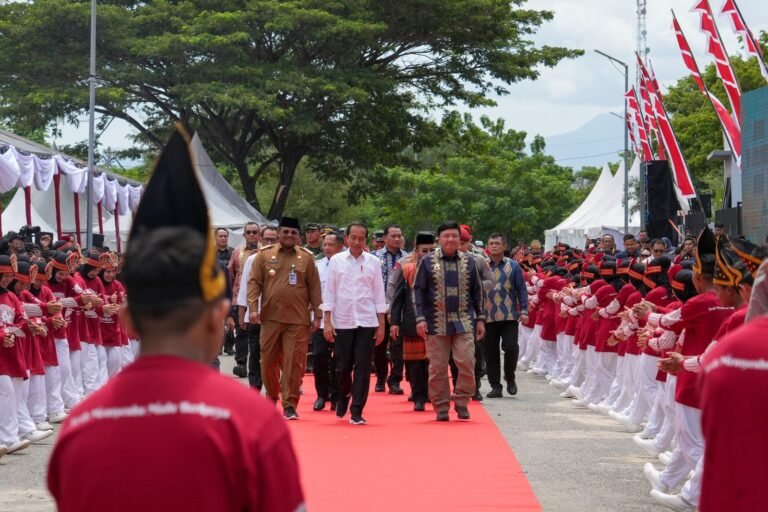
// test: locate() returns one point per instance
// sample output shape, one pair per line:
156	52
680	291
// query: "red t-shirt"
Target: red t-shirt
734	414
172	434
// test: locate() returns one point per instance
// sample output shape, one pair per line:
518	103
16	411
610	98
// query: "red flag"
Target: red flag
717	50
740	27
650	119
679	166
636	122
731	129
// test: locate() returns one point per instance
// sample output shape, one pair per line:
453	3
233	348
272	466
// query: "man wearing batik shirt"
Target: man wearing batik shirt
183	436
448	296
507	303
389	256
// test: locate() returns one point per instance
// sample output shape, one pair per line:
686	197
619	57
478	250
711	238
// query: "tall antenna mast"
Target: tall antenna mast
642	36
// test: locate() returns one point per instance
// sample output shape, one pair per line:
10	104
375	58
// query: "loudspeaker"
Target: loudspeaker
662	201
98	240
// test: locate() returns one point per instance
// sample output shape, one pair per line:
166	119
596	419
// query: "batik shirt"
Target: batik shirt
388	261
448	293
508	299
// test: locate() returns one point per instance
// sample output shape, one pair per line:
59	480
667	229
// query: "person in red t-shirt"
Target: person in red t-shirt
168	432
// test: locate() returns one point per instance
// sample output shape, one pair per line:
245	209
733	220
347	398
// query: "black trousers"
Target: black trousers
326	383
229	340
241	345
504	334
354	348
252	333
381	362
418	377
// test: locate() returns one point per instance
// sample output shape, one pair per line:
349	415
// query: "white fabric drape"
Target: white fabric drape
110	195
26	167
45	168
97	192
76	176
122	196
9	170
134	196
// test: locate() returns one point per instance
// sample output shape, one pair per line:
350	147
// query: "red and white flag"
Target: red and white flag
730	128
667	134
740	27
717	50
652	128
635	121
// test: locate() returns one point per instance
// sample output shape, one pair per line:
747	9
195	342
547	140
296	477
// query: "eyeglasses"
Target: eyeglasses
249	232
658	251
269	240
291	232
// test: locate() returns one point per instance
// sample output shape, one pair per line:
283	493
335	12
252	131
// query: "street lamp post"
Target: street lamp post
91	130
626	140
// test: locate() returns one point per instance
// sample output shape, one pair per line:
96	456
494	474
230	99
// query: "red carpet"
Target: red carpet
406	461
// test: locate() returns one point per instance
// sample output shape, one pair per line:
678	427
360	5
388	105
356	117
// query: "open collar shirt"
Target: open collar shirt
354	291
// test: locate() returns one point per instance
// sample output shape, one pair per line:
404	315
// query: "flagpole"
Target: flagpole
91	129
626	139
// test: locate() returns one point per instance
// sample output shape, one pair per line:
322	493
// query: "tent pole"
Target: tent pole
57	199
117	226
28	204
101	220
77	216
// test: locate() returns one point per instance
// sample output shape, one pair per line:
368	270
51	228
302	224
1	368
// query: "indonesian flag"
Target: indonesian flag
731	129
679	166
716	49
739	26
636	123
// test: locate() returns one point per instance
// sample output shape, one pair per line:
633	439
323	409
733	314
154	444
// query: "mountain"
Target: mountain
594	143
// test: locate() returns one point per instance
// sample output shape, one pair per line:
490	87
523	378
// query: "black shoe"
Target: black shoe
512	389
380	386
442	416
229	351
494	393
418	406
395	389
341	407
240	371
357	419
477	397
319	404
290	413
462	412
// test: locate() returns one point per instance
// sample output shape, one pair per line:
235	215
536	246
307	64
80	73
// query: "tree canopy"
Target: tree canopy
269	82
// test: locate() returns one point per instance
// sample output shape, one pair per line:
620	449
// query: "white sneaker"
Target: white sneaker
57	417
646	435
629	426
665	458
522	365
569	392
37	435
653	476
592	407
673	501
3	450
540	372
646	444
19	445
581	402
43	425
604	408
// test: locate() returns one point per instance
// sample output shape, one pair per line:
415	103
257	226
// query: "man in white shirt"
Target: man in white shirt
354	306
322	351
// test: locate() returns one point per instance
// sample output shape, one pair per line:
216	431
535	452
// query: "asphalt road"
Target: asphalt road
575	459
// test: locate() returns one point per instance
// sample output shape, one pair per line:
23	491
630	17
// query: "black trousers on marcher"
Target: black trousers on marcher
241	345
504	334
326	383
354	348
381	361
418	375
252	333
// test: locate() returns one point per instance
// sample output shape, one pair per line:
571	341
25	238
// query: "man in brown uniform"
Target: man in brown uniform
284	276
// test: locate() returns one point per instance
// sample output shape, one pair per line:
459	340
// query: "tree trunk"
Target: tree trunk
288	166
248	182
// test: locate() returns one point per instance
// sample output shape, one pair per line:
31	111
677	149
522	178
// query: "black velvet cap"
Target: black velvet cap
290	222
425	238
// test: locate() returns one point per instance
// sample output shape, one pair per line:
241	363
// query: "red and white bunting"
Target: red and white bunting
667	133
716	49
637	125
739	25
730	128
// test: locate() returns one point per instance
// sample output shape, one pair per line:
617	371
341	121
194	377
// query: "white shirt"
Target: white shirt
242	293
354	291
322	272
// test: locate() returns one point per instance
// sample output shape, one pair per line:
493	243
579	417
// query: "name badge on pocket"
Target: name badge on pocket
293	279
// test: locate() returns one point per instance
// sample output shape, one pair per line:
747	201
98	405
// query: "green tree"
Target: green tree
269	83
485	179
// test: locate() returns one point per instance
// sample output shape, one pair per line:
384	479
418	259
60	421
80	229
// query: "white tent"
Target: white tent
226	207
602	212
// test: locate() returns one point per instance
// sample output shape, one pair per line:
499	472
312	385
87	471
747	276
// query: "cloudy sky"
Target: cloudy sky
575	91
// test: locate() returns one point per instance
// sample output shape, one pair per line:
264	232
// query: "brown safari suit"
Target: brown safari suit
285	316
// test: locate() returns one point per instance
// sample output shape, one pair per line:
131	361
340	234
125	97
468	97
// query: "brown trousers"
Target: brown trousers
283	348
439	350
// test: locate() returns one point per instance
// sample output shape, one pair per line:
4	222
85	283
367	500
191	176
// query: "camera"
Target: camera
29	234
